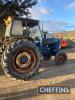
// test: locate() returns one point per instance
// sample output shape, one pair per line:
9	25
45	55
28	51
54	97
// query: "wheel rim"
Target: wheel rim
62	59
24	60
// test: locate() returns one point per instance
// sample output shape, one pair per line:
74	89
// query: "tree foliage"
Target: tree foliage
15	7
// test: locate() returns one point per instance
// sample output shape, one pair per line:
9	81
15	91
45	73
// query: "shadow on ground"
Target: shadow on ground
19	95
28	94
51	70
70	82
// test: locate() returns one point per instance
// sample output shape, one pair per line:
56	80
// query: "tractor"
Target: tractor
25	46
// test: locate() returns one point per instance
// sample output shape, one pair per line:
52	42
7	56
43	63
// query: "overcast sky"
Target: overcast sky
57	15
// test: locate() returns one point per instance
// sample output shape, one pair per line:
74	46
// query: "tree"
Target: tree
14	8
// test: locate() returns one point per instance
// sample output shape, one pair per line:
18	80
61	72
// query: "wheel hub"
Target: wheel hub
62	58
23	59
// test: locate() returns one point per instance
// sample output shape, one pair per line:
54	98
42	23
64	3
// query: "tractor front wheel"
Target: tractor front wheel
60	58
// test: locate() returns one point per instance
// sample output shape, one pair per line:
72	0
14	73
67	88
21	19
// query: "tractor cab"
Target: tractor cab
23	27
30	29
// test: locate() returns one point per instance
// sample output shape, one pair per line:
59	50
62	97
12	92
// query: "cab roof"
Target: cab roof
28	22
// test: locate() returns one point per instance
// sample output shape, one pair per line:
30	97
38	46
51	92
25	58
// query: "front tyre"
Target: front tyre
21	59
60	58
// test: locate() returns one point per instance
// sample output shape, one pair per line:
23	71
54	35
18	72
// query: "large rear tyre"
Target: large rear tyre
60	58
21	59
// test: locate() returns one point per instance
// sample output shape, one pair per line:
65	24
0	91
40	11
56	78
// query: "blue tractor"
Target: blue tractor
25	46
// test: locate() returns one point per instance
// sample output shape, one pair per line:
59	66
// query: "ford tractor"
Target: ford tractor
25	46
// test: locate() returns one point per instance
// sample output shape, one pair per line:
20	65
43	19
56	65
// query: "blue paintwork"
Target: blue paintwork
23	59
48	46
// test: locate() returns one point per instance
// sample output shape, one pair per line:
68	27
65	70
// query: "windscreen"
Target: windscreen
35	32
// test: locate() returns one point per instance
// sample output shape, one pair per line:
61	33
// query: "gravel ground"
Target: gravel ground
49	73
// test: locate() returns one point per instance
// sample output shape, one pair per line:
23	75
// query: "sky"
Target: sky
56	15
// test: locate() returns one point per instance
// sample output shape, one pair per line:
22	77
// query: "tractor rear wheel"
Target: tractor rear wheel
60	58
21	59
